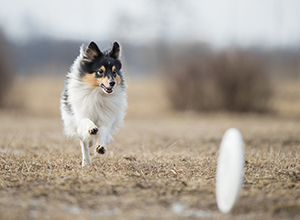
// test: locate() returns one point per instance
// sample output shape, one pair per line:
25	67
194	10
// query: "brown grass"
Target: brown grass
161	165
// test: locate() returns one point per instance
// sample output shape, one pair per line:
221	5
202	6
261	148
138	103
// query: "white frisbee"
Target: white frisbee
230	170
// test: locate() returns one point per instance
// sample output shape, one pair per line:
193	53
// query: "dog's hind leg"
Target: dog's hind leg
86	160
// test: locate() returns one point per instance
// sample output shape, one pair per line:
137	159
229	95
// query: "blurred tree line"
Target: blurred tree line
233	80
6	69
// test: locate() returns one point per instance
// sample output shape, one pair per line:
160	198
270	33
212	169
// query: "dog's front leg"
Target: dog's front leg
86	160
86	128
104	138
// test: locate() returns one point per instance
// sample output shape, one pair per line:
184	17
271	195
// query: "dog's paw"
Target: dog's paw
93	130
100	149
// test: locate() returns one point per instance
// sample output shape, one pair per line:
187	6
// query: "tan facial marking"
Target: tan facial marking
90	79
102	68
118	80
113	68
103	81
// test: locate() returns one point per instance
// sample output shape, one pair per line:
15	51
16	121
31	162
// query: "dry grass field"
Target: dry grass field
162	164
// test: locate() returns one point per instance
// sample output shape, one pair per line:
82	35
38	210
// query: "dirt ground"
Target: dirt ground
162	164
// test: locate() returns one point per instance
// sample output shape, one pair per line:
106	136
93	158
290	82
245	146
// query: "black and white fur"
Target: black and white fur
94	100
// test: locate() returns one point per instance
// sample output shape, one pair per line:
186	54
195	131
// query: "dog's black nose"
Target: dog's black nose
112	83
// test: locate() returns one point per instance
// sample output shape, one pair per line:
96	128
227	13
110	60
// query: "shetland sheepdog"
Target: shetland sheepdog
94	100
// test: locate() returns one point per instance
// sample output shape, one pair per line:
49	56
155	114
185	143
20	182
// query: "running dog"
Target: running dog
94	100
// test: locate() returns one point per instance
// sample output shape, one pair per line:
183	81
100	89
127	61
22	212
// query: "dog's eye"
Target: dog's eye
100	72
115	72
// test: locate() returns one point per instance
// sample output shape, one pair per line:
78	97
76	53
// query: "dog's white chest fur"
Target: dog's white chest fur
92	103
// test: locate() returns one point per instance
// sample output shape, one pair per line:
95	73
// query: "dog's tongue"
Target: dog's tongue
108	90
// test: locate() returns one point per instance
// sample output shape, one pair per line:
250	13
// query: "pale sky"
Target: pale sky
218	22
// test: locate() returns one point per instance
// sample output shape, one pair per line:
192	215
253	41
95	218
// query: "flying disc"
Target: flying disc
230	170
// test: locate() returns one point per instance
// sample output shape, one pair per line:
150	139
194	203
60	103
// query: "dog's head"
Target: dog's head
101	69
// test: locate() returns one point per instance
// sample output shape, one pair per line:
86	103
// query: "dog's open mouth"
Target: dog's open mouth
106	89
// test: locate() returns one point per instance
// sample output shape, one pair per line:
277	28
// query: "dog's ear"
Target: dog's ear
92	52
115	51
